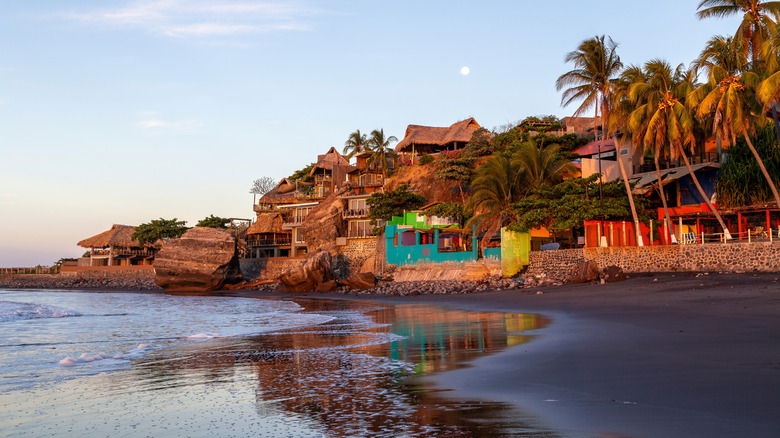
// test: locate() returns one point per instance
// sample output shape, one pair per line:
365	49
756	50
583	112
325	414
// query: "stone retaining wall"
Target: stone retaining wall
357	251
134	271
731	257
268	268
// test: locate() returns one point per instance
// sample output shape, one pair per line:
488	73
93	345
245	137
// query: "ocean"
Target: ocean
150	364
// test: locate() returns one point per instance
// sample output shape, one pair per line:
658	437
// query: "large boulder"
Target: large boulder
584	272
362	281
203	259
305	278
613	274
325	223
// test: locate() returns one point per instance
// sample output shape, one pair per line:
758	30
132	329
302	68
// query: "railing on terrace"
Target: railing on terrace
31	270
352	214
649	165
264	207
125	252
278	241
359	234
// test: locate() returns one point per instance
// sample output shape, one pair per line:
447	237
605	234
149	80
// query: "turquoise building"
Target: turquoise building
414	239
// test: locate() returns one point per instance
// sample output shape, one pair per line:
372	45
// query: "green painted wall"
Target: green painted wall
515	252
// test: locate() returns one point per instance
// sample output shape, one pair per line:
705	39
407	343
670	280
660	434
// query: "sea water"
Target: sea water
140	364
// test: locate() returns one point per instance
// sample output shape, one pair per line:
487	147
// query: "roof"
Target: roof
592	148
267	223
645	182
329	160
429	135
118	235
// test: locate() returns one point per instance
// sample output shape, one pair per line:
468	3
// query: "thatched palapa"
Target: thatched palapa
429	139
118	235
267	223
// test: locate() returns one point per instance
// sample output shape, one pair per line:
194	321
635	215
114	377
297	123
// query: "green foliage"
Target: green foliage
741	181
393	203
67	259
479	145
303	175
425	159
149	233
459	168
212	221
86	254
452	210
568	204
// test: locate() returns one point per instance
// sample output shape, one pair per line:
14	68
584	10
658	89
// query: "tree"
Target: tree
729	96
212	221
741	181
355	144
566	205
479	145
452	210
393	203
459	169
303	175
663	120
498	183
542	165
755	22
156	229
261	186
383	156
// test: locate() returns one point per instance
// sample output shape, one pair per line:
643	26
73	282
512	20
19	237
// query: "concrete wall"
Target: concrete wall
731	257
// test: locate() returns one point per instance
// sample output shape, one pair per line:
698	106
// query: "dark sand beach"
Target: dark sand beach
667	355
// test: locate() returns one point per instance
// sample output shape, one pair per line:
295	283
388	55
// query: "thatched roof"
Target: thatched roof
267	223
118	235
330	160
429	138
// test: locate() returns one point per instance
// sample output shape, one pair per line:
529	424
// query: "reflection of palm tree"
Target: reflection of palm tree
661	118
383	156
728	97
355	144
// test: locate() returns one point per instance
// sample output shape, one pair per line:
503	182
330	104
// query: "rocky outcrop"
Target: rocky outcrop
325	223
203	259
305	278
584	272
613	274
362	281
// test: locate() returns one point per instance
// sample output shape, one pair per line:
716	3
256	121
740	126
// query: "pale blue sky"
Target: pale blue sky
124	111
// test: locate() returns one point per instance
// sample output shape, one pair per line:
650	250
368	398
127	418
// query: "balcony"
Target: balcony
361	233
268	241
649	165
355	214
293	221
263	208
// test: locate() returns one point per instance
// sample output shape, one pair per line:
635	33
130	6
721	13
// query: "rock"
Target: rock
203	259
369	266
362	281
305	278
327	286
325	223
584	272
613	274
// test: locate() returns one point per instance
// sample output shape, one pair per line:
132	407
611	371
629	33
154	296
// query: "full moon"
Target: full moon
465	71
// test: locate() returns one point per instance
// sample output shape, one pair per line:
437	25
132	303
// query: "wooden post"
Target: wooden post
598	227
679	219
625	243
611	235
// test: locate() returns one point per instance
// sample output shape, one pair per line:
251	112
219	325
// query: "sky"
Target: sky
124	111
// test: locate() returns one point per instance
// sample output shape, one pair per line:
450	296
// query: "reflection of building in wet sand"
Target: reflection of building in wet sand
352	381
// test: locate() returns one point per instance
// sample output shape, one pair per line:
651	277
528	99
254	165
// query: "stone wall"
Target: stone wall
357	251
268	268
133	271
731	257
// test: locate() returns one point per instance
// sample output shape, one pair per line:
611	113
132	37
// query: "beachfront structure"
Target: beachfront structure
430	139
116	247
415	238
364	178
330	173
294	215
267	236
356	215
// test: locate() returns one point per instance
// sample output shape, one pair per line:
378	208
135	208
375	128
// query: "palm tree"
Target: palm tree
596	64
383	156
663	120
755	22
542	165
499	182
768	91
355	144
729	96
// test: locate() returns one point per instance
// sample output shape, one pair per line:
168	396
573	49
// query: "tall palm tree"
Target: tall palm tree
663	119
499	182
383	156
756	20
618	123
729	96
542	165
355	144
768	91
596	65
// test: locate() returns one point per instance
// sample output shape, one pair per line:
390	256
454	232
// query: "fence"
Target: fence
34	270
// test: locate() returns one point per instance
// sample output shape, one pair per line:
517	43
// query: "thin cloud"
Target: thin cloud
202	18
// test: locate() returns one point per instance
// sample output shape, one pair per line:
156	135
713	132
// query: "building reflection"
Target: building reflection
354	376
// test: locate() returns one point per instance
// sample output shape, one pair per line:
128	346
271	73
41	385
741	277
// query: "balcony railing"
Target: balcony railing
125	252
277	241
649	165
293	221
361	233
353	214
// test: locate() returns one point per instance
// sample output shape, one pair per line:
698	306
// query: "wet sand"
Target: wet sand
681	356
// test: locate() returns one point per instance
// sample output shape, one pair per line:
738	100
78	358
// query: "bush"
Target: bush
425	159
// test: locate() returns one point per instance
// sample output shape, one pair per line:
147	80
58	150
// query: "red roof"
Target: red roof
592	148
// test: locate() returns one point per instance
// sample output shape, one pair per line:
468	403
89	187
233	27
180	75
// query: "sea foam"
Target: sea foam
14	311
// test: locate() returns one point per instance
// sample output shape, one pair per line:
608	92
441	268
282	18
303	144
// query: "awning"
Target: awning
645	182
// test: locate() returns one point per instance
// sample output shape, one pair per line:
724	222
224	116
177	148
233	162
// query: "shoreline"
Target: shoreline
669	354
